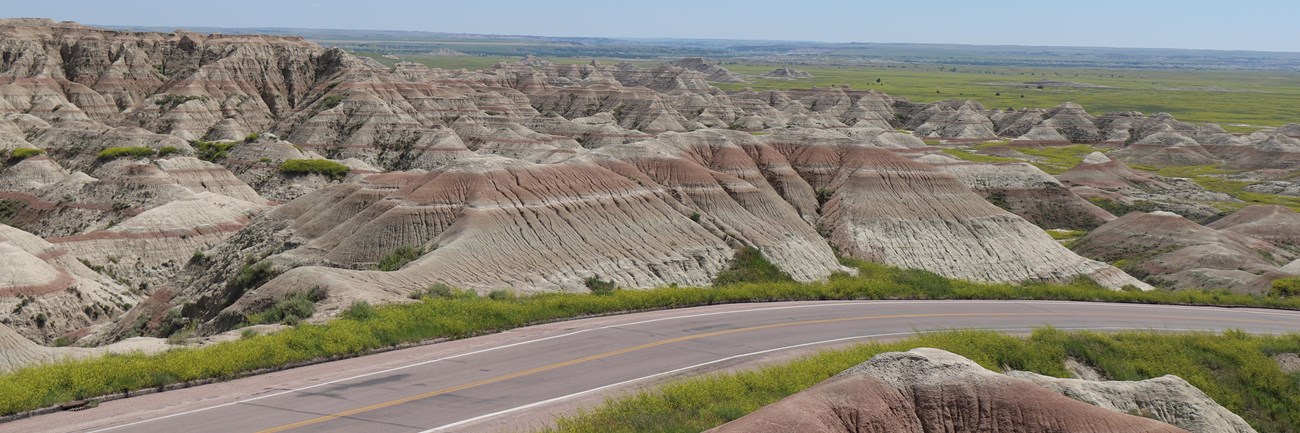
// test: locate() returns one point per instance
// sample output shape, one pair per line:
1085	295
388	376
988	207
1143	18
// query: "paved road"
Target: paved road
455	385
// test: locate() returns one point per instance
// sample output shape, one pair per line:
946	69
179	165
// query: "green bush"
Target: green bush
211	150
291	309
398	257
750	266
250	276
501	295
251	137
599	286
125	152
331	101
24	153
167	150
360	310
314	166
1286	287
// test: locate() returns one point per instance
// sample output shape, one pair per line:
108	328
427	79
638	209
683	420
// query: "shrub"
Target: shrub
314	166
24	153
750	266
9	210
291	309
501	295
211	150
125	152
443	291
171	101
1285	287
167	150
398	257
599	286
250	276
360	310
251	137
330	101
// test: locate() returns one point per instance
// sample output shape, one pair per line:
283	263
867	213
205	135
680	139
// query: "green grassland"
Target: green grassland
1240	101
1213	178
449	314
1235	369
1263	98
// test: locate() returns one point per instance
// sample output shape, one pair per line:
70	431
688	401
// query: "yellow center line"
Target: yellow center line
652	344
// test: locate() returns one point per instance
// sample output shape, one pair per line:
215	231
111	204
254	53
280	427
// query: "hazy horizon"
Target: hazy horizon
1258	26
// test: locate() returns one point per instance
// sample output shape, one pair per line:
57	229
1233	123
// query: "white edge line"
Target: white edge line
460	355
817	304
745	355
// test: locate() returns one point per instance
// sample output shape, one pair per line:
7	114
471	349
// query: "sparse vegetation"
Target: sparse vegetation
599	286
291	309
9	210
211	150
24	153
314	166
125	152
1065	235
251	137
750	266
967	155
360	310
167	150
171	101
458	314
1215	179
250	276
443	291
1233	368
330	101
398	257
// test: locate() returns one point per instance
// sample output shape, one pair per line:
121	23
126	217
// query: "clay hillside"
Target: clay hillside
156	176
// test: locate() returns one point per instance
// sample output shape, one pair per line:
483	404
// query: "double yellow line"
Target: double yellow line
658	343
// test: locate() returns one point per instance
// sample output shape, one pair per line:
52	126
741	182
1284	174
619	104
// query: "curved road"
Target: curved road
468	384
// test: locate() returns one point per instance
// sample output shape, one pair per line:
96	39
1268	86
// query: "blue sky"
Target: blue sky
1267	25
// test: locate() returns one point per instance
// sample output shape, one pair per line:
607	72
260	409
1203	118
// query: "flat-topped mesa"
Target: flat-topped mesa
925	390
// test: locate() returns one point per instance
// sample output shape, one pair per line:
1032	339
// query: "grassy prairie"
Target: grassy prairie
1212	178
450	314
1233	368
1241	101
1262	98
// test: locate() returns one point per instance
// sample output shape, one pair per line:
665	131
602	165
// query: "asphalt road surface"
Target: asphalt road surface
528	373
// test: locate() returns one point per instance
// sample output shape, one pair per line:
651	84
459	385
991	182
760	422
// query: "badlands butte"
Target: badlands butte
157	181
